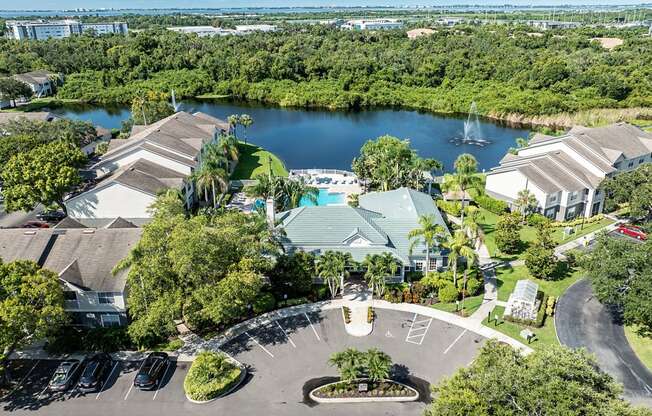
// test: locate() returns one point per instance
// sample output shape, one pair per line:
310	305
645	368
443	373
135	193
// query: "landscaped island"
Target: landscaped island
211	376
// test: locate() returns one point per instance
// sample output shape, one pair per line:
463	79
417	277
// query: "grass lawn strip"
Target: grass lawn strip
546	335
471	304
254	161
642	346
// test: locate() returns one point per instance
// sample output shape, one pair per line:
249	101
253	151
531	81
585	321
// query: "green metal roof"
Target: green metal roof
382	222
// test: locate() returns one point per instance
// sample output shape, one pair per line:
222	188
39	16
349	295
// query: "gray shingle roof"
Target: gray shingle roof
82	257
619	138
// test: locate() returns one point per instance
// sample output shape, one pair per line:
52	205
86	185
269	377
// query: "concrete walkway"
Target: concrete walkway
358	298
585	240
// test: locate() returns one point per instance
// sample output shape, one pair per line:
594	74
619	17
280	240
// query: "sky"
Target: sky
135	4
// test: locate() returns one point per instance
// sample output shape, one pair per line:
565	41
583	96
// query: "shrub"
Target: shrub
264	303
541	313
320	292
577	221
370	315
347	314
473	286
407	296
448	293
507	235
450	207
295	301
536	219
550	306
491	204
210	375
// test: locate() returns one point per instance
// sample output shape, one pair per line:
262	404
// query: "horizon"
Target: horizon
58	5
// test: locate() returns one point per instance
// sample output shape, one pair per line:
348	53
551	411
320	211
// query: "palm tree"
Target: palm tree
429	233
331	266
471	223
459	245
465	177
246	121
379	266
207	176
294	190
228	145
348	363
526	202
233	120
378	365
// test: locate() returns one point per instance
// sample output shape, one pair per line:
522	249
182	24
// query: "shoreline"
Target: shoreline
559	121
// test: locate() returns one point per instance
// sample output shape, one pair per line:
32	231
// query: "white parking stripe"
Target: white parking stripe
129	391
410	330
455	342
417	335
107	380
258	343
286	334
158	386
313	328
39	397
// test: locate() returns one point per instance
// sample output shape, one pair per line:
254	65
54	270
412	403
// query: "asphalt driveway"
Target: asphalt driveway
582	321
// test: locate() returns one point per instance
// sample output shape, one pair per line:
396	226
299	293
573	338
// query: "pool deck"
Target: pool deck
340	181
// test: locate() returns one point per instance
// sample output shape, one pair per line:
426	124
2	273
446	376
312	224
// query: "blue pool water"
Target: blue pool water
325	198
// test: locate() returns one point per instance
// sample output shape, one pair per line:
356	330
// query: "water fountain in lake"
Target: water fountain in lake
472	132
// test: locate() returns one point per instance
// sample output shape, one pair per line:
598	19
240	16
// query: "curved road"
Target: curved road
582	321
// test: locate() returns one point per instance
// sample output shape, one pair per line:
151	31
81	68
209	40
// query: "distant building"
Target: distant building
42	83
204	31
450	21
417	33
59	29
553	24
564	172
375	24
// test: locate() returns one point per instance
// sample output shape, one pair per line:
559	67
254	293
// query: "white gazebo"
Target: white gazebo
522	302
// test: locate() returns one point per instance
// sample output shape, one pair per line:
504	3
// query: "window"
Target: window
630	164
69	295
433	264
553	198
418	265
109	321
106	297
573	196
641	160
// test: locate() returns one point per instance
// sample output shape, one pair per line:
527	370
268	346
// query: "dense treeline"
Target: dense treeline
502	68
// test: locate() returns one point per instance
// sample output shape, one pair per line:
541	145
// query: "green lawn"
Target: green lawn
254	161
470	305
545	335
642	346
508	276
528	234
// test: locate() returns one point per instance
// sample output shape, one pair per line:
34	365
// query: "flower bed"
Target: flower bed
343	391
211	375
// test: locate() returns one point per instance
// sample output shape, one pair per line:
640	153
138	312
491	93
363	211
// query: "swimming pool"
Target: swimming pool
325	198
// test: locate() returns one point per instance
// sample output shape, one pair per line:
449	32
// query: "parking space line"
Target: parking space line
411	325
107	380
286	334
158	386
129	391
39	397
22	380
455	342
417	335
258	343
313	328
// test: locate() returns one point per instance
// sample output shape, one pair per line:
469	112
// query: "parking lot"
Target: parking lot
282	357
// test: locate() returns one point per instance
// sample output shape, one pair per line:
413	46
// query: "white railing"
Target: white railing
322	172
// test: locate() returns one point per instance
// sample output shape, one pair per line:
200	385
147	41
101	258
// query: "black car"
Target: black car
97	370
51	216
65	375
152	371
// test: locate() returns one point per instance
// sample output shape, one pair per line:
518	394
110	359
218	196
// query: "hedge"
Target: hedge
491	204
264	303
210	375
450	207
578	221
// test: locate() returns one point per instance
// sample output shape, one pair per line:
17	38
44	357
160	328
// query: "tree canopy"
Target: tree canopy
389	163
633	188
553	381
621	277
43	175
13	89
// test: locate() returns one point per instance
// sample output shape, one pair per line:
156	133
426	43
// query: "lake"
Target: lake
306	139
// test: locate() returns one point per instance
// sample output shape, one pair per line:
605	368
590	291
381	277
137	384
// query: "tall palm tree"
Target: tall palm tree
429	233
207	176
465	177
378	365
246	121
228	145
331	266
295	190
526	202
471	223
233	120
460	245
379	266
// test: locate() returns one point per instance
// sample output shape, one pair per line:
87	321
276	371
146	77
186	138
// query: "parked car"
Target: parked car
632	231
152	371
65	375
51	216
35	224
97	370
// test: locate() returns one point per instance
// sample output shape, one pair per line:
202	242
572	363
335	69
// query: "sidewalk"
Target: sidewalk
358	298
